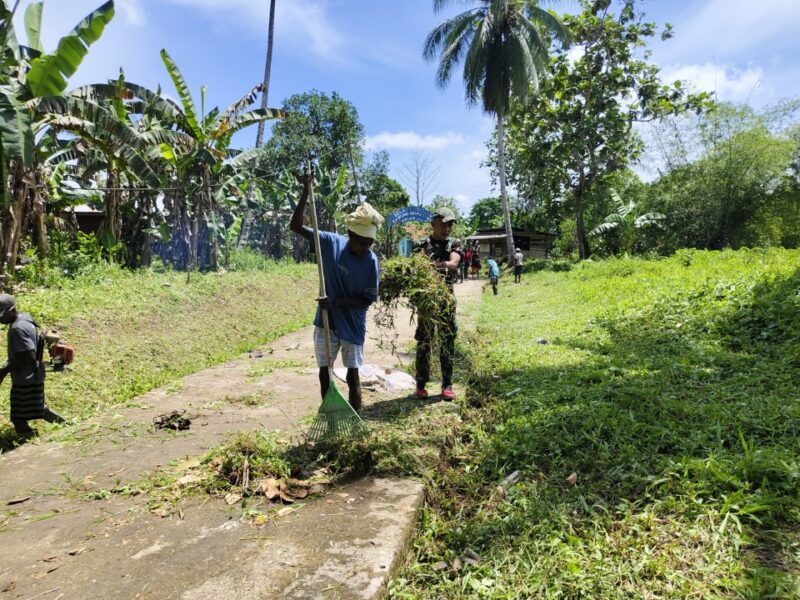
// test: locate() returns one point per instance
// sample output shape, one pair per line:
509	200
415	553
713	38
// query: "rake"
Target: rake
335	420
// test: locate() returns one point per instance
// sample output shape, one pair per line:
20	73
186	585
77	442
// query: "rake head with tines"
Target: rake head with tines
335	420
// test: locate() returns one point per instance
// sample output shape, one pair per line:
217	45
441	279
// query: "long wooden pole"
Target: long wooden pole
322	292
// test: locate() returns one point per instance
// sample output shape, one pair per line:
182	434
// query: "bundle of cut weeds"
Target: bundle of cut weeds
415	283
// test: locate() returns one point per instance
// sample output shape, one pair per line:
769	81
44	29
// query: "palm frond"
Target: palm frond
454	46
477	59
440	37
549	21
439	5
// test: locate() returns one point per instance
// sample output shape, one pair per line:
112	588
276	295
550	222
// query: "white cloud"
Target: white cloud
730	28
132	11
305	24
729	83
410	140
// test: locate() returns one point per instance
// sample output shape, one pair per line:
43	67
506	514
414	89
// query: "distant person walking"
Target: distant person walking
518	259
494	273
462	267
475	264
26	367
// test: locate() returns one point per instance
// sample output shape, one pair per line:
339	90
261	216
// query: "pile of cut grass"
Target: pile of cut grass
656	436
135	331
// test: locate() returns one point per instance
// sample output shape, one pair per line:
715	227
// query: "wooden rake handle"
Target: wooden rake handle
322	293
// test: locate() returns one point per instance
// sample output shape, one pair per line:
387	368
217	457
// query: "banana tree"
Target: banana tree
211	133
149	159
626	221
28	74
124	148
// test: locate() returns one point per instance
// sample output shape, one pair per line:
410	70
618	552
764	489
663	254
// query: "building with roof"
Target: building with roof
532	244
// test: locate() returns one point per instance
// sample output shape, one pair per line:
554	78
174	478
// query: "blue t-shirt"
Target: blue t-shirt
494	270
347	276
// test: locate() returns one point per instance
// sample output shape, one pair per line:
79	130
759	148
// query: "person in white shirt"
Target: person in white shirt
518	258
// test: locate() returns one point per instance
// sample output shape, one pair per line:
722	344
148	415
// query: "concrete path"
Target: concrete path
63	537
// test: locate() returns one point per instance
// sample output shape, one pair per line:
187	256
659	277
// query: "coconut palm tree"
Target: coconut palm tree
504	47
248	217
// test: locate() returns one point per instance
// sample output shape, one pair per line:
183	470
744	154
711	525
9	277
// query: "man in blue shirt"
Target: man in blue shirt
494	273
351	284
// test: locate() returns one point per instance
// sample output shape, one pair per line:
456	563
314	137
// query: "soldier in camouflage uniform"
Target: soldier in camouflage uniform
438	247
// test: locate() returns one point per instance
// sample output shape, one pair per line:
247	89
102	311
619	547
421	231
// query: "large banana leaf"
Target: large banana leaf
185	95
247	158
226	129
33	25
48	73
8	37
16	133
244	102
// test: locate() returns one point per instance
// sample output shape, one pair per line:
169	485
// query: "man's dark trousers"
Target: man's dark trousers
447	346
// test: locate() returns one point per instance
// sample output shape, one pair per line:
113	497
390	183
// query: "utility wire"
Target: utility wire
276	173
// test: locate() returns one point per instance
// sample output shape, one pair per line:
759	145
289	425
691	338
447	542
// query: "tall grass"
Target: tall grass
657	436
135	331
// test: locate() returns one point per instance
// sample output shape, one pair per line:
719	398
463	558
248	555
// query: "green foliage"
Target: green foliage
625	220
486	213
738	188
48	73
317	124
669	388
380	190
571	137
248	456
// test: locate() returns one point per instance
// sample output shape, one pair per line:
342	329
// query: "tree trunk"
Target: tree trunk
584	251
501	163
247	220
194	238
12	221
213	241
40	224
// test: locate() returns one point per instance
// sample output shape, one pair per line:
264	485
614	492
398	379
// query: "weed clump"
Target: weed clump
248	456
415	283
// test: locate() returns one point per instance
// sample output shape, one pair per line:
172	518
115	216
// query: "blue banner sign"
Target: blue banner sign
407	214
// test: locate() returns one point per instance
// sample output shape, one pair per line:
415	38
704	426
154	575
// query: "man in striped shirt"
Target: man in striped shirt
26	366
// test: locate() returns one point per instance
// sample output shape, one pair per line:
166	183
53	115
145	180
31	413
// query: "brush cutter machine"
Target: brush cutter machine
61	354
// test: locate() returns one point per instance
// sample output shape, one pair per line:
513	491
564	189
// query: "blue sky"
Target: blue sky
370	52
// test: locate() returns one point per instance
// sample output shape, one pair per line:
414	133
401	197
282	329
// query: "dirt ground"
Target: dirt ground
61	537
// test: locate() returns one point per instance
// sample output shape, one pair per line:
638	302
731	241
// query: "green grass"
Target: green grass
670	388
135	331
